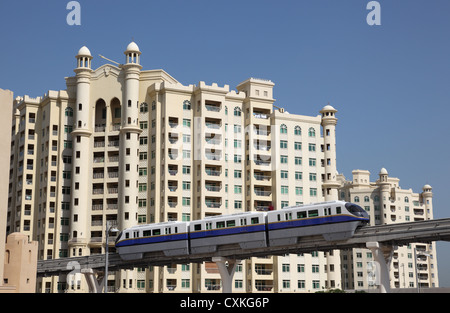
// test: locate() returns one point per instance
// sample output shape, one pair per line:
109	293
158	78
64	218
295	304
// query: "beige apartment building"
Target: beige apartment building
127	146
387	203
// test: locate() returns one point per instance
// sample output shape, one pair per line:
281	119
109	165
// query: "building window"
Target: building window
283	129
237	111
312	132
186	105
297	131
144	107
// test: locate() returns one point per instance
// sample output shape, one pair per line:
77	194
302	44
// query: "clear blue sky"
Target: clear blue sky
390	83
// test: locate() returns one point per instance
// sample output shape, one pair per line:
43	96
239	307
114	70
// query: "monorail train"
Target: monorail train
334	220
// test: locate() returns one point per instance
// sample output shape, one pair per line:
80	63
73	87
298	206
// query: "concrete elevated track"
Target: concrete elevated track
380	239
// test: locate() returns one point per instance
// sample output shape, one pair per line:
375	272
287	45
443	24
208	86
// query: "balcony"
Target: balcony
173	154
173	122
264	285
262	176
213	106
212	284
172	185
213	203
262	162
262	130
213	186
212	124
213	156
100	128
213	139
173	170
213	171
172	202
263	206
173	138
263	192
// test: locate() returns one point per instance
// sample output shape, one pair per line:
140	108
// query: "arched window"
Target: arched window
237	111
283	129
186	105
366	199
297	131
356	199
69	112
406	199
312	132
144	107
376	198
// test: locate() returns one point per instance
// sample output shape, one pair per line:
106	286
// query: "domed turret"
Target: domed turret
132	53
383	175
84	58
328	115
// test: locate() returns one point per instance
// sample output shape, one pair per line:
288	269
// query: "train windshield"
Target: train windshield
118	237
356	210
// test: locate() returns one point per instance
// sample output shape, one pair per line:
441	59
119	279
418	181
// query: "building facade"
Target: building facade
125	146
387	203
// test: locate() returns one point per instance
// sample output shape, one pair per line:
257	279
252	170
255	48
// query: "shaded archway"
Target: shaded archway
100	115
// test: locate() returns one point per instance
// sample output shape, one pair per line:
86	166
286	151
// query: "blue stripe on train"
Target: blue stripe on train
312	221
147	240
228	231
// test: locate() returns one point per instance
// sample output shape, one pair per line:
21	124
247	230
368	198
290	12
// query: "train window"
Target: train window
255	220
243	222
147	233
156	232
231	223
329	211
167	230
127	235
278	217
176	230
325	211
338	210
313	213
301	214
220	224
136	234
208	225
288	216
198	227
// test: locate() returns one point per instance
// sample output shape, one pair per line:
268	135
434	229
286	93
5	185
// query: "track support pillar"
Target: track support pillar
383	256
227	268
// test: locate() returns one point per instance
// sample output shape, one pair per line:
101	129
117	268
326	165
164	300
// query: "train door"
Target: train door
243	223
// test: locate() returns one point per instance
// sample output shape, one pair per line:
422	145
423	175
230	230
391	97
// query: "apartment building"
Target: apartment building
387	203
125	146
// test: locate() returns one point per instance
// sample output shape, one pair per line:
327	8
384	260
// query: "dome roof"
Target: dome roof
133	47
426	187
328	108
383	171
84	51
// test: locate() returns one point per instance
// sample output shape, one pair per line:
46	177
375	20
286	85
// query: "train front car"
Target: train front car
358	211
334	220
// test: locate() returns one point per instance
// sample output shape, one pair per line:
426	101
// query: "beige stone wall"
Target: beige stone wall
20	263
6	99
